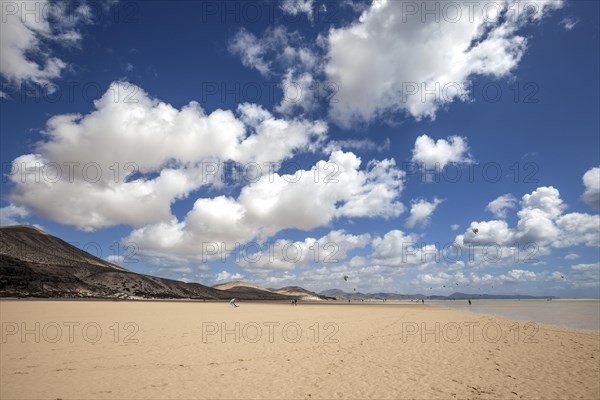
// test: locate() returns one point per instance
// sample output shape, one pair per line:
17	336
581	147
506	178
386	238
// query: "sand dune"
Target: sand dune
178	350
300	293
237	284
295	292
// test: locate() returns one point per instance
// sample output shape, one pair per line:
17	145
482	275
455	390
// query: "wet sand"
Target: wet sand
197	350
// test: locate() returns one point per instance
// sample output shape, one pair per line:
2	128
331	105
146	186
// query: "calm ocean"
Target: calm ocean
574	313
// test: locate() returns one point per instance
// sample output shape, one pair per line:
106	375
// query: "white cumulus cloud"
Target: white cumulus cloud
332	189
77	175
437	154
585	275
542	225
330	249
27	32
227	276
501	204
591	181
295	7
389	58
11	214
421	211
569	22
284	54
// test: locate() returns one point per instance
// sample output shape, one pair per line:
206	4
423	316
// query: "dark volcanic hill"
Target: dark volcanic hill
36	264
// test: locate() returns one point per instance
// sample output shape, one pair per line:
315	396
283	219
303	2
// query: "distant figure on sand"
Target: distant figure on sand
423	301
232	302
469	301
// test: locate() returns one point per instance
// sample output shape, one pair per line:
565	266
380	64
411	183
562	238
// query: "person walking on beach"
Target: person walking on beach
469	301
232	302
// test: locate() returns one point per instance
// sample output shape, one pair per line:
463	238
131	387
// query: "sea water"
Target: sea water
574	313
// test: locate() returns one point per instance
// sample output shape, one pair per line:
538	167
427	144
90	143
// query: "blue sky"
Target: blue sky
373	93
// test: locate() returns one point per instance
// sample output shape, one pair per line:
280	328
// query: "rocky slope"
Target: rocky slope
36	264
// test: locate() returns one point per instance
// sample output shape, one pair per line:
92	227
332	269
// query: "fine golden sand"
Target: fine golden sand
176	350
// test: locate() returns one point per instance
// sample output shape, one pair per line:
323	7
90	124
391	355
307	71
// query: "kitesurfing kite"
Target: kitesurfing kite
475	230
346	278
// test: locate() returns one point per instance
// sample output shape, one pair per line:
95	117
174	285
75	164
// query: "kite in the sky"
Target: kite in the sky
475	230
346	278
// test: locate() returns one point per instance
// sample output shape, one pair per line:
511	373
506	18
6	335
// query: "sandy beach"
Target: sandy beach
205	350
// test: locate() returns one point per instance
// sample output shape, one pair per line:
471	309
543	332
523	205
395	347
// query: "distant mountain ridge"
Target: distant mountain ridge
464	296
340	294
